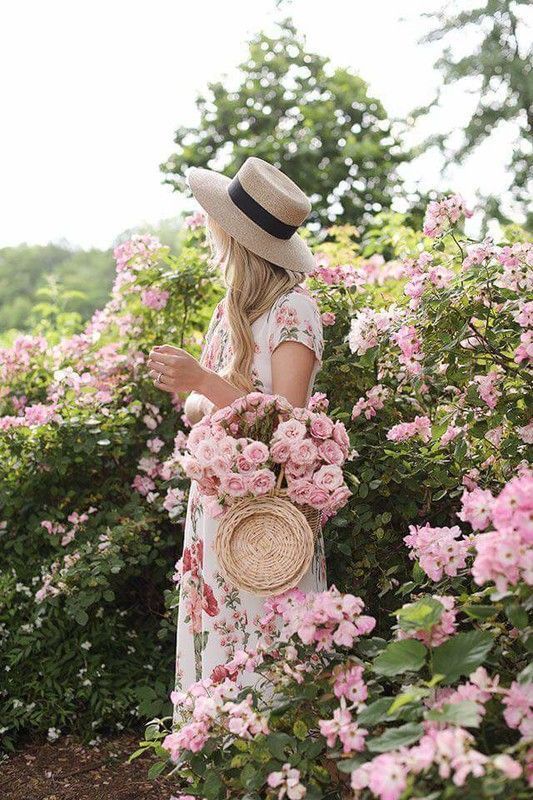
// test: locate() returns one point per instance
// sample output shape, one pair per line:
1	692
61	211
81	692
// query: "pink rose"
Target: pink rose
244	464
298	490
328	477
191	467
219	467
234	484
328	318
304	452
292	430
340	435
262	481
206	452
318	498
331	452
280	451
321	427
294	470
209	485
227	447
222	414
256	452
339	498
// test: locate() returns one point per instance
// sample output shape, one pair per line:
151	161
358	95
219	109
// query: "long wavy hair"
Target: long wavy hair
253	284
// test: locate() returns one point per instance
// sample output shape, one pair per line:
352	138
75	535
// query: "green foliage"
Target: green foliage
24	270
318	124
95	652
498	61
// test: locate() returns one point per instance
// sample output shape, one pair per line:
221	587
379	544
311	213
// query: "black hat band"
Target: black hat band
255	211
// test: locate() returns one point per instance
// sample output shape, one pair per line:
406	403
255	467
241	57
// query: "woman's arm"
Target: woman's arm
292	365
181	372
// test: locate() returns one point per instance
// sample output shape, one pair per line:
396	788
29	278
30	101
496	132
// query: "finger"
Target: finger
154	373
153	363
161	381
163	358
164	386
166	348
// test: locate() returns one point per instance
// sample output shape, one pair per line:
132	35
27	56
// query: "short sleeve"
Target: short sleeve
295	317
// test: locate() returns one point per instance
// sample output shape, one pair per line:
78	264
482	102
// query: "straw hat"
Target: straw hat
260	207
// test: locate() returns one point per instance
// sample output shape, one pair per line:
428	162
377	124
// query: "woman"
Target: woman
266	335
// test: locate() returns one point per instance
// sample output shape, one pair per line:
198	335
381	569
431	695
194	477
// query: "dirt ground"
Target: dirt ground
68	770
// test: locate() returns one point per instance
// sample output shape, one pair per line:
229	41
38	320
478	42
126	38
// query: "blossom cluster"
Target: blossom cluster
408	340
241	451
423	274
325	619
517	261
439	551
450	750
502	555
373	271
369	326
371	403
420	426
137	252
442	214
213	707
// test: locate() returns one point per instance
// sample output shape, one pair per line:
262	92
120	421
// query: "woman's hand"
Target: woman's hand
175	368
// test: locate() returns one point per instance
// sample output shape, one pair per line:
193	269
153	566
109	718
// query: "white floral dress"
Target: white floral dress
216	619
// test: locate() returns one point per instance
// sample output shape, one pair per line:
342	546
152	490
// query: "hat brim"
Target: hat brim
210	188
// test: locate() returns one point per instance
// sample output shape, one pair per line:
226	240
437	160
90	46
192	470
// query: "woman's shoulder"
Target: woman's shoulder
299	298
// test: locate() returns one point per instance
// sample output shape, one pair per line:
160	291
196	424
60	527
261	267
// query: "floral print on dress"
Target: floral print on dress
295	317
215	618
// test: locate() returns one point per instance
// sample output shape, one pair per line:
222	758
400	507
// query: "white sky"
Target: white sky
92	92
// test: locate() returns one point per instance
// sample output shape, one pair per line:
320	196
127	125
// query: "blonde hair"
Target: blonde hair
253	284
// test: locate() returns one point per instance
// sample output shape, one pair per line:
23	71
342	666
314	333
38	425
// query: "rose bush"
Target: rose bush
428	364
89	523
427	356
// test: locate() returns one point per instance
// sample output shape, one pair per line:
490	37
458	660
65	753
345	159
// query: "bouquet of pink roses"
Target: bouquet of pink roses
248	449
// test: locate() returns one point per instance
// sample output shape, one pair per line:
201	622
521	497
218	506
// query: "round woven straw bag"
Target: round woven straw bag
265	544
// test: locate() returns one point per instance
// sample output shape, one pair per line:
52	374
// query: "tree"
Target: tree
497	68
318	124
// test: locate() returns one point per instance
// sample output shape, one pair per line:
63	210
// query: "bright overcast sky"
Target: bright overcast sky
93	90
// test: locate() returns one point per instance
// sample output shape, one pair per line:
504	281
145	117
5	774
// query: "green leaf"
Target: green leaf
276	743
422	615
464	713
480	612
375	712
396	737
155	770
414	694
404	656
251	777
349	764
461	654
81	617
300	729
212	786
517	616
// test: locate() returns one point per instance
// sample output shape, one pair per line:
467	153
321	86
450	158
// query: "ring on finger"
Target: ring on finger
158	379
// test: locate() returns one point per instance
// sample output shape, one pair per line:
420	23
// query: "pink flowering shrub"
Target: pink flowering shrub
433	697
91	503
319	707
260	442
413	676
